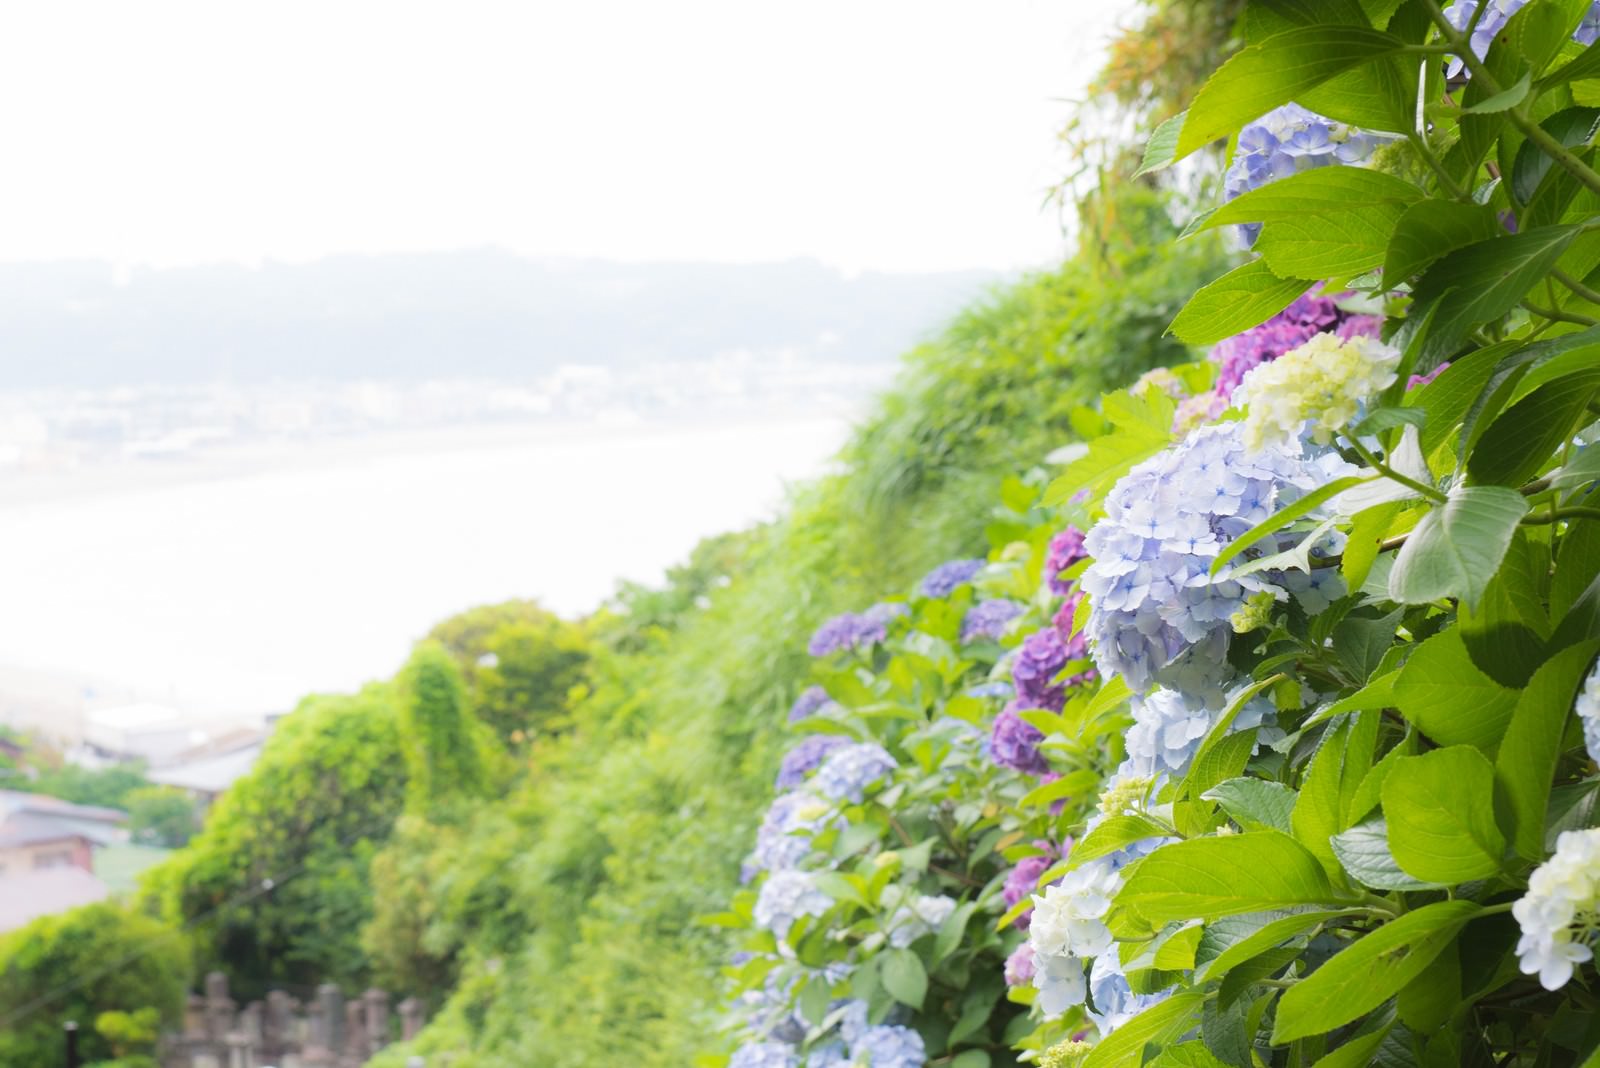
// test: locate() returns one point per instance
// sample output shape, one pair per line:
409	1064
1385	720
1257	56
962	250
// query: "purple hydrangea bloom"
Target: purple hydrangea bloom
850	769
1019	966
810	753
1494	20
1302	320
1014	743
947	576
1158	616
855	630
1066	549
1288	140
1022	881
1038	661
806	705
988	619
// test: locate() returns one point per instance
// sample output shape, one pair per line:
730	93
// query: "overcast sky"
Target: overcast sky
887	134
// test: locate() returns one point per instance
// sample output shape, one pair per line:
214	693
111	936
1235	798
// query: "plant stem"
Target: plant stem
1419	143
1577	287
1390	473
1559	316
1555	516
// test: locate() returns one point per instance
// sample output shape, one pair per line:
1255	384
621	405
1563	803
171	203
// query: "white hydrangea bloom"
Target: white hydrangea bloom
1324	383
1560	913
1588	709
785	897
1068	918
923	914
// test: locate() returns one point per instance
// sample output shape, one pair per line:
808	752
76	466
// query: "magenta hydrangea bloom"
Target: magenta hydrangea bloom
1014	743
1038	661
1066	549
1302	320
1022	881
1019	966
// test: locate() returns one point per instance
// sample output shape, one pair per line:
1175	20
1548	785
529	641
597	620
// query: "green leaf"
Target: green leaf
1580	470
1440	810
1366	796
1505	635
1187	1055
1235	939
1504	100
1368	530
1571	127
952	930
1161	151
1318	814
1483	281
1526	435
1263	76
1363	852
1525	766
972	1058
1355	1053
1457	547
1141	427
1431	228
1360	978
1111	834
1160	1023
1442	691
1206	878
904	977
1255	801
1282	518
1244	297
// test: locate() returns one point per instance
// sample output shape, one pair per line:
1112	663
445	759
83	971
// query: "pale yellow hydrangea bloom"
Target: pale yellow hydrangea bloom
1323	382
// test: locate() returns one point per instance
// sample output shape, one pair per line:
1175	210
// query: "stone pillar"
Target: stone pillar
278	1028
332	1002
377	1019
356	1049
412	1018
316	1037
194	1017
219	1007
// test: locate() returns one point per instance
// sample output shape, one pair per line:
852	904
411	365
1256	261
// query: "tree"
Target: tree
161	816
441	737
95	960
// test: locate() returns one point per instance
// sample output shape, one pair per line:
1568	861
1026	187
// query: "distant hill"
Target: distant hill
485	313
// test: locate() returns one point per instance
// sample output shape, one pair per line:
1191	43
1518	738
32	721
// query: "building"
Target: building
47	854
206	771
154	734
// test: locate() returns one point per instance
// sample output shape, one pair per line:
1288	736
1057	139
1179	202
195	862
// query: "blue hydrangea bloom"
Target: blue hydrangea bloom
997	688
765	1055
785	897
889	1047
1114	1001
1168	727
855	630
1494	20
782	841
829	1055
1285	141
799	761
811	700
942	580
988	619
848	771
1157	615
1588	709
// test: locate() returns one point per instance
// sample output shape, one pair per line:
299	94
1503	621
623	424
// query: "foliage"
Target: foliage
275	885
107	787
100	960
161	816
441	740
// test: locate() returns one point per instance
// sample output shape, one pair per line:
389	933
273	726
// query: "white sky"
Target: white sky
890	134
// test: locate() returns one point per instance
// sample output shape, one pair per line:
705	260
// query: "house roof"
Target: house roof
25	829
13	801
209	775
27	896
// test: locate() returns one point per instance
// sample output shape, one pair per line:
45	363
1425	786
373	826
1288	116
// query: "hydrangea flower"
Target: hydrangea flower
785	897
1023	880
1168	727
1059	982
1066	549
850	769
1037	663
923	914
1114	1001
765	1055
887	1046
780	843
1326	381
811	700
996	688
1019	966
855	630
1014	743
1494	20
769	1013
1306	316
1588	709
1157	615
1069	916
1560	913
810	753
988	619
1287	140
942	580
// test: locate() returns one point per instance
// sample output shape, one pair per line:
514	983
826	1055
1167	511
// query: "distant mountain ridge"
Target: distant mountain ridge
484	313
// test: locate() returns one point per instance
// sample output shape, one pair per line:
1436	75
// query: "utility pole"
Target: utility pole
70	1032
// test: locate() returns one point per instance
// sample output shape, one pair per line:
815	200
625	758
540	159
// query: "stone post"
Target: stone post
194	1017
377	1019
332	1002
219	1007
411	1018
356	1049
278	1028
